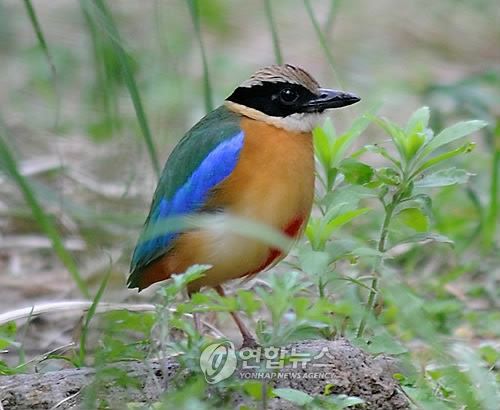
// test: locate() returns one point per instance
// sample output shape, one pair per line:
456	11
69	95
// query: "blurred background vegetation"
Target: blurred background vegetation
71	73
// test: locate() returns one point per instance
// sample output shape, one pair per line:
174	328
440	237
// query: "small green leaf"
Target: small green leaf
342	219
356	172
413	143
7	334
414	218
421	201
331	175
382	151
313	230
322	147
415	131
6	370
389	176
348	196
366	252
418	121
314	262
328	389
466	148
339	248
444	177
425	237
194	272
490	354
254	389
396	133
344	141
248	301
292	395
342	401
453	133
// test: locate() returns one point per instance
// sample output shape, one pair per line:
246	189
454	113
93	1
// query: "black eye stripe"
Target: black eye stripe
269	98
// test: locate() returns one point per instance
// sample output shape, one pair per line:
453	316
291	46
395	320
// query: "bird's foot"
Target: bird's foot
249	343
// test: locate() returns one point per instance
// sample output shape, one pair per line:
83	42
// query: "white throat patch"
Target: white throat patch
298	122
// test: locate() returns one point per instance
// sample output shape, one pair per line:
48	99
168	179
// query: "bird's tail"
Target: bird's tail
155	271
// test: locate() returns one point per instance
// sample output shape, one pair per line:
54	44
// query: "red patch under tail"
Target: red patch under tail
291	230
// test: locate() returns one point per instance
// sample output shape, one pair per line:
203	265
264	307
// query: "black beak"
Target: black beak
330	99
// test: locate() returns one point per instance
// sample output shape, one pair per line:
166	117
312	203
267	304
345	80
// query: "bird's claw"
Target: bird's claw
249	343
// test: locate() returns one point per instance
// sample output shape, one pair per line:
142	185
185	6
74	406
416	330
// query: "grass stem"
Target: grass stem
322	39
101	14
8	162
39	34
490	226
274	32
195	16
45	49
332	13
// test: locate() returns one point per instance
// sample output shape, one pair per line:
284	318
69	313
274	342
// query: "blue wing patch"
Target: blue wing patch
190	197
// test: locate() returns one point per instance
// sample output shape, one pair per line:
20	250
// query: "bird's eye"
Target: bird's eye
288	96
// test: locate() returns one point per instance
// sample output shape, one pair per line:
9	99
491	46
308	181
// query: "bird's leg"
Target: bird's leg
248	339
196	316
197	322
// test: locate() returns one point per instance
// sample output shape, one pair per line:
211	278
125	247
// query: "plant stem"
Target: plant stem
331	17
195	17
39	35
322	39
264	395
384	232
321	288
45	49
101	14
491	219
274	32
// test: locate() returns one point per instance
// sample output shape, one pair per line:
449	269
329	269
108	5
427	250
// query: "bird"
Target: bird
253	158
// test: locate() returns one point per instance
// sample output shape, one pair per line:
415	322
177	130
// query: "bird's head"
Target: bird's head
287	97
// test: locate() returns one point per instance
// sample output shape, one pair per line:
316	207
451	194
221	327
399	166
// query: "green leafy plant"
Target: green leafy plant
401	186
417	153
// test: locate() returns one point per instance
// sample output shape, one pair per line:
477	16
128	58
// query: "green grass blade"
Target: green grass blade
88	317
322	39
45	49
491	225
9	164
330	20
105	81
195	16
274	32
105	21
39	34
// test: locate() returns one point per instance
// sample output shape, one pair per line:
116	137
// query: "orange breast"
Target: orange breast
273	183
